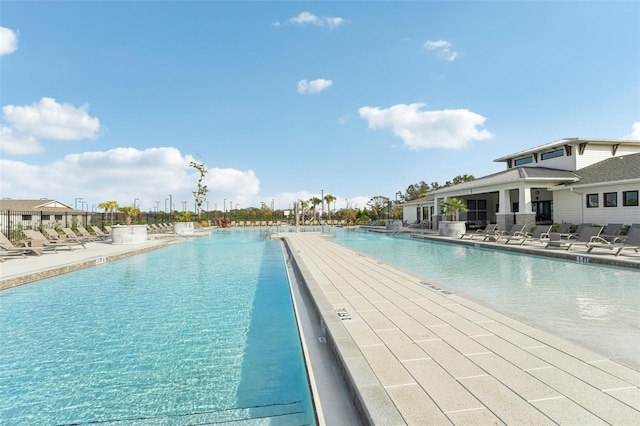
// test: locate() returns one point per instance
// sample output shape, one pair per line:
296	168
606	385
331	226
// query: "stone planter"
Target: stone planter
183	228
128	234
453	229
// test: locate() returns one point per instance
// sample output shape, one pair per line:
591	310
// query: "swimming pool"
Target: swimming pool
200	332
596	306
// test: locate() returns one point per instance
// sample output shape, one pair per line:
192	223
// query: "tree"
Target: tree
303	206
202	189
460	179
415	191
329	199
109	206
453	207
315	201
128	212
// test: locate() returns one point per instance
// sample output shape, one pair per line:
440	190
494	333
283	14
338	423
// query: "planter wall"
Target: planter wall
183	228
128	234
453	229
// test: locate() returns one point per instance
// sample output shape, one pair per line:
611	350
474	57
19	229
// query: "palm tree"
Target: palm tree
329	198
128	212
315	201
453	207
303	205
109	206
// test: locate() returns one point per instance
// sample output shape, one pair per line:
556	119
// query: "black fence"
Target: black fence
12	222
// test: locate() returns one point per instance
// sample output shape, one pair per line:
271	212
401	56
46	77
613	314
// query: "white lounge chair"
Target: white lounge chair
632	242
586	236
490	229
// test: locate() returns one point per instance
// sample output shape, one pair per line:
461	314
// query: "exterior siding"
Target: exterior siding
566	208
560	163
593	154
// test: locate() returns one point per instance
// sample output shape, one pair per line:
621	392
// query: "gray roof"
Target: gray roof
611	170
36	205
551	176
568	141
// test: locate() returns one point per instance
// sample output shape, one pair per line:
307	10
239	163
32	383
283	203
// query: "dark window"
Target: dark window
592	200
610	199
630	198
58	217
482	204
525	160
26	217
552	154
46	217
471	204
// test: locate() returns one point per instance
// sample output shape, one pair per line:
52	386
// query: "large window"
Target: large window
552	154
630	198
610	199
525	160
476	210
592	200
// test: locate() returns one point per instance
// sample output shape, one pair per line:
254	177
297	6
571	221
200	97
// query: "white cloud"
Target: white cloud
8	41
308	18
635	134
306	87
124	174
14	143
420	129
51	120
443	49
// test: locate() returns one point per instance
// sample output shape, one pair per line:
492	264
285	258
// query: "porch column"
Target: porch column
504	207
436	214
525	216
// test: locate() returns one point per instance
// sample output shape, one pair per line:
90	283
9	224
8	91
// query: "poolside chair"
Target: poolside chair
71	236
36	239
611	232
52	234
490	229
7	248
632	242
99	232
540	235
564	230
578	230
586	236
515	230
86	234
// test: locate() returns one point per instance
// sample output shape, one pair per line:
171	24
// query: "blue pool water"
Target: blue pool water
594	305
198	333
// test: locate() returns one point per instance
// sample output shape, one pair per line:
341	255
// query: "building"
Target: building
569	180
33	214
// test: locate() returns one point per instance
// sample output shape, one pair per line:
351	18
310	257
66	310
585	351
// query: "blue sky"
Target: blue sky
283	100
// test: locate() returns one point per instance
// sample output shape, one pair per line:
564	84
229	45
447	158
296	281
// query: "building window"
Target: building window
630	198
476	210
525	160
58	217
26	217
45	217
552	154
610	199
592	200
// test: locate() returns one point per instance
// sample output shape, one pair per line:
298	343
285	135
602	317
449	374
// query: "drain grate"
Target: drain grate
435	288
343	314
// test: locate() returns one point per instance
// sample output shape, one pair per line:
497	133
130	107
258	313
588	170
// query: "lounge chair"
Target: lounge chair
586	236
515	230
52	234
9	249
540	235
564	230
71	236
632	242
99	232
490	229
578	230
611	232
36	239
86	234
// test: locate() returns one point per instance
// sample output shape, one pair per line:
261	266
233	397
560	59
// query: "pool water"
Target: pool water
198	333
596	306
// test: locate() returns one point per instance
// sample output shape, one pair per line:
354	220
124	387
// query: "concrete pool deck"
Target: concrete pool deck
413	353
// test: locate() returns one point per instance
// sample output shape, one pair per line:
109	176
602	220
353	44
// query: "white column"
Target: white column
504	201
524	199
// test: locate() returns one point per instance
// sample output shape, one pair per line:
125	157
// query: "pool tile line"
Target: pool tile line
314	253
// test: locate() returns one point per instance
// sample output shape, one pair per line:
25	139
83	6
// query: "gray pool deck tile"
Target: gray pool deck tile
415	353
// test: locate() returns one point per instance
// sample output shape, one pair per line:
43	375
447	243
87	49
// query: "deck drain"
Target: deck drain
343	314
435	288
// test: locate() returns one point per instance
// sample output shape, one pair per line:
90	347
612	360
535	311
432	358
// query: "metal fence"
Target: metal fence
12	222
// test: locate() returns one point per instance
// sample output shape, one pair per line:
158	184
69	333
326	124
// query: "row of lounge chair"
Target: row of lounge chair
38	243
592	237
